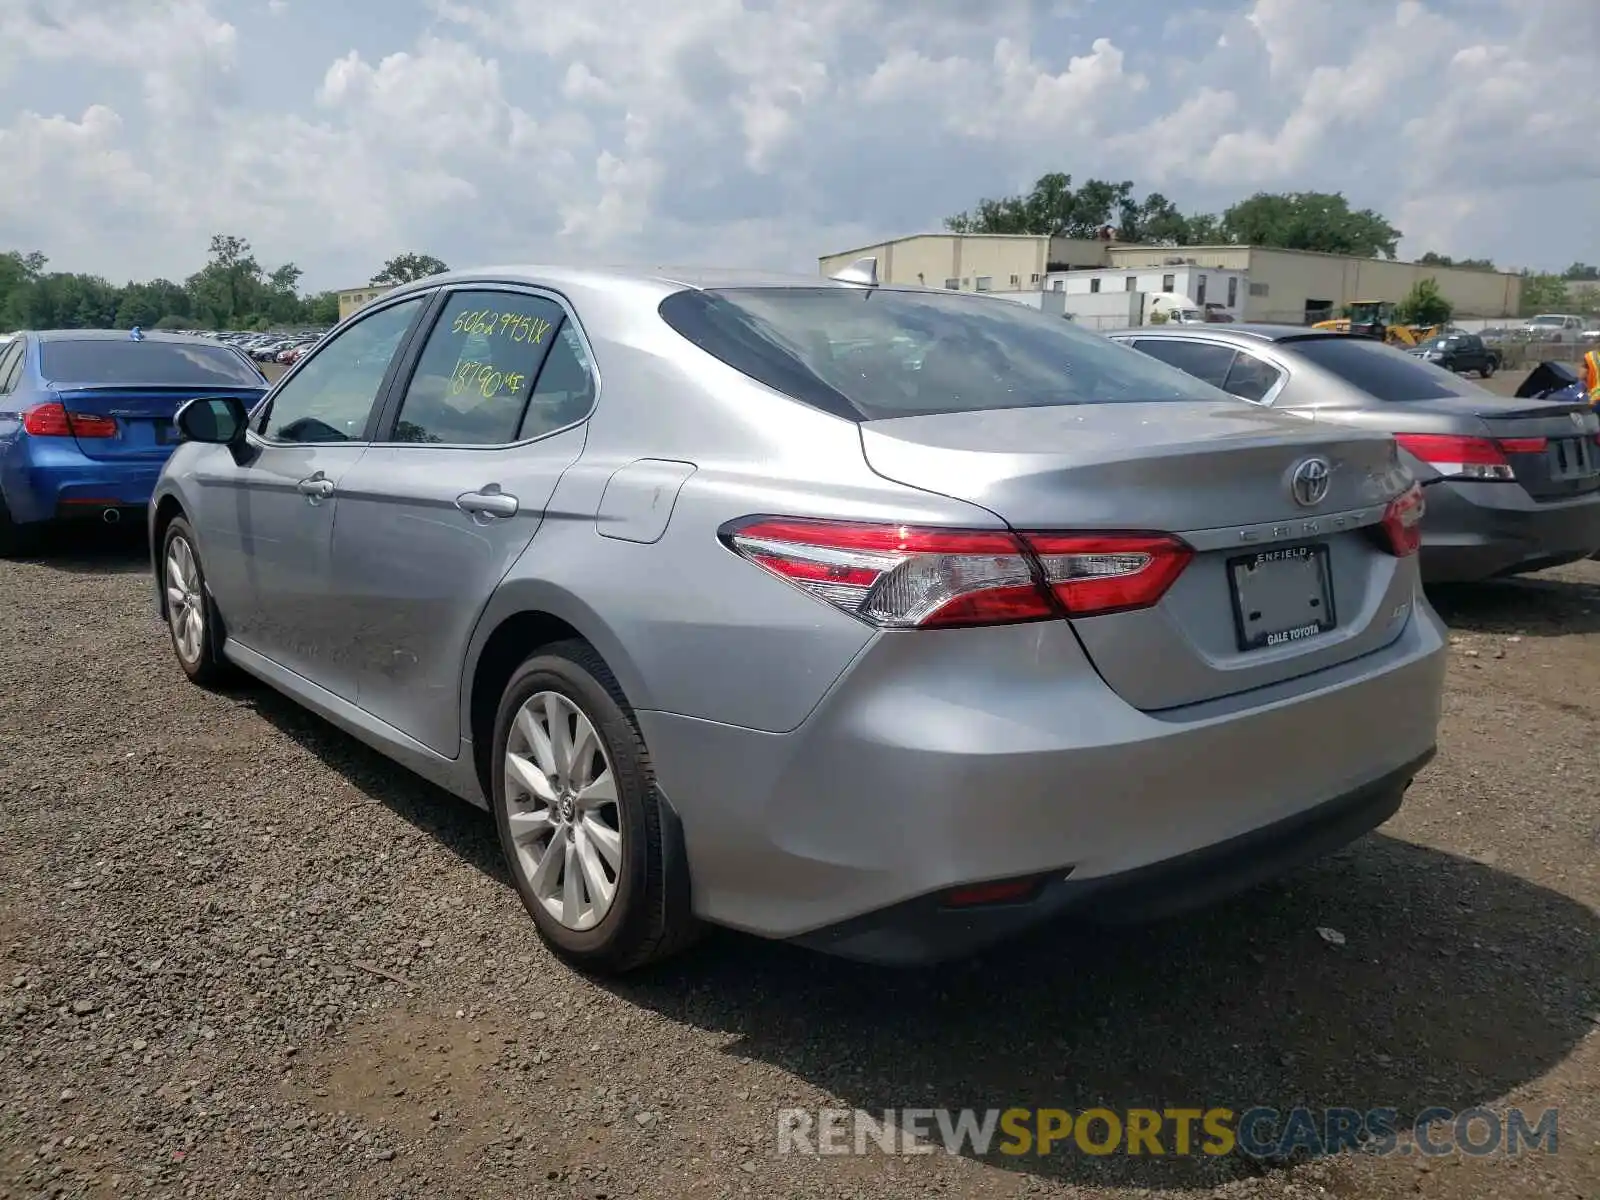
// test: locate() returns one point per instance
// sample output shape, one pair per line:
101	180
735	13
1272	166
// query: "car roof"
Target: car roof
1230	331
110	335
663	280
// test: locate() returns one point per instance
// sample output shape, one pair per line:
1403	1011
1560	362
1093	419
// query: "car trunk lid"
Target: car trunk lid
1550	445
132	422
1219	476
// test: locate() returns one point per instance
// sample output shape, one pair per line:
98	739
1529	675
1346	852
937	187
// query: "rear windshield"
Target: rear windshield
97	361
1380	370
870	354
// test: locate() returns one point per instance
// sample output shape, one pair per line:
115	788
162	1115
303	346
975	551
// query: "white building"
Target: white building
1224	290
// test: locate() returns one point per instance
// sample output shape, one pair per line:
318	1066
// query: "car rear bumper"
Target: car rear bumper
1477	531
50	482
927	930
942	760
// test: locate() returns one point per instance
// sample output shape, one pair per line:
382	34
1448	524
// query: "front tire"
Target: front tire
190	614
1487	370
579	819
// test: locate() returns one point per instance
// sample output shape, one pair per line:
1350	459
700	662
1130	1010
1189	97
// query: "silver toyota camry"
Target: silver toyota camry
886	620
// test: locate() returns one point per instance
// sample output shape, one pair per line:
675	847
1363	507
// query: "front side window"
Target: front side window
476	373
331	396
870	354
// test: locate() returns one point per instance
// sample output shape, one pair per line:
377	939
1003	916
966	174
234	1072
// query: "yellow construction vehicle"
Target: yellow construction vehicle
1375	319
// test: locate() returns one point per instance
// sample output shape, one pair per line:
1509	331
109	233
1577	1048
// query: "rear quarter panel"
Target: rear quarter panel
688	626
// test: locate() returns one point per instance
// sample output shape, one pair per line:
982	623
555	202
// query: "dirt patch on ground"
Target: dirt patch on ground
245	956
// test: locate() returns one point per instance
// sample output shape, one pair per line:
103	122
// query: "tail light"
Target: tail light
1109	574
1402	522
53	420
901	577
1527	445
1459	457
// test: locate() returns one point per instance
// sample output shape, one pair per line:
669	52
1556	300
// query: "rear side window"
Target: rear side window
565	390
1379	370
871	354
150	363
1251	378
1203	360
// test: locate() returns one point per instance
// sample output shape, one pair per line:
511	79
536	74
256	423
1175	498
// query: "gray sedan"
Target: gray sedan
1512	485
886	620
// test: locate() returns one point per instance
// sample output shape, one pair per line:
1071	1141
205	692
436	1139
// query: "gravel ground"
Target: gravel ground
246	957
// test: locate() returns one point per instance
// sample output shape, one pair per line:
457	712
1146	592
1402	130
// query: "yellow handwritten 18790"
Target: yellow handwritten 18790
485	379
517	326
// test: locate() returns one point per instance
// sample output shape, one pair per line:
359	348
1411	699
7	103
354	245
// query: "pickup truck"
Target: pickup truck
1459	352
1554	327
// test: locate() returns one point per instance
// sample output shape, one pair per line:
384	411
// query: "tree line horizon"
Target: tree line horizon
233	290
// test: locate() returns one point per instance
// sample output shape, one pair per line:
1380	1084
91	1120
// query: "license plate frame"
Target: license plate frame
1573	459
167	433
1296	570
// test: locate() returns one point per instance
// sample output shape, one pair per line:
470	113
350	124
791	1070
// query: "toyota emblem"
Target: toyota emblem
1309	483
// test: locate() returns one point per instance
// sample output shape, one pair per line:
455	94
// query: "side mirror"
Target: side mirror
214	420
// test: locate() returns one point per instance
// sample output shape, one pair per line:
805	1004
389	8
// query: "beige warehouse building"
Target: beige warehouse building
1288	286
350	299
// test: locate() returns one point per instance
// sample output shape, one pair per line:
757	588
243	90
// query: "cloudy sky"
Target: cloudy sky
336	133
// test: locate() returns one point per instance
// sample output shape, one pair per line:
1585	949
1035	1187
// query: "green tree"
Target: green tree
1205	229
323	308
1054	207
1430	259
231	290
146	304
1582	271
1290	220
1310	221
403	268
227	287
1424	304
1542	293
1584	299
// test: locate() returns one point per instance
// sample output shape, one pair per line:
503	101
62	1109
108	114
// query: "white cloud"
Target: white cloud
765	131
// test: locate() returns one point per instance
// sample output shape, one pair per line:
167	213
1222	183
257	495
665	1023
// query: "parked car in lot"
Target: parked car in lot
1512	485
86	420
1459	352
1554	327
892	655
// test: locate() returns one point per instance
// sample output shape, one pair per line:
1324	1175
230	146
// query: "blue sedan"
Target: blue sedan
86	420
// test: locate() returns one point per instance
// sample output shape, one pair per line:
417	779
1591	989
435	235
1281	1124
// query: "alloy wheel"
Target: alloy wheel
561	802
185	608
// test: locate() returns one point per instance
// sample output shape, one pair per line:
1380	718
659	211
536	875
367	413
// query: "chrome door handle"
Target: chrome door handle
487	504
317	487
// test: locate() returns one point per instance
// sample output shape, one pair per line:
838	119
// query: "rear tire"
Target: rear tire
580	822
191	616
15	540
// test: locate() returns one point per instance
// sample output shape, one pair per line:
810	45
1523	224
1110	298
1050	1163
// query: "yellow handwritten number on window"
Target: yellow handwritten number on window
515	326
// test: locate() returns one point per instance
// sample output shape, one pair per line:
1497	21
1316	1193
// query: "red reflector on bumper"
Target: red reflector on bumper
1010	891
